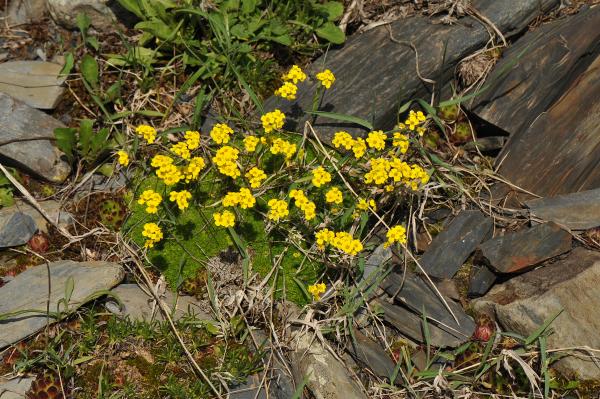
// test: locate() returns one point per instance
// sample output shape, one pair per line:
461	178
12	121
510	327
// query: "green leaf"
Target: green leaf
83	23
66	140
85	135
542	328
107	169
300	285
6	197
69	63
89	70
93	42
157	28
343	118
133	7
100	142
332	9
248	6
69	288
331	32
285	40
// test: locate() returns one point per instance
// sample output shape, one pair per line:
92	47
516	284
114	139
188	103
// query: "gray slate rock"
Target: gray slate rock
516	252
137	305
577	211
15	388
450	249
27	125
525	302
418	296
25	11
386	76
370	354
36	83
65	12
481	281
29	291
52	208
17	230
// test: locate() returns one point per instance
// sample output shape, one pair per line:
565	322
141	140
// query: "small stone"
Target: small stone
253	388
371	354
450	249
15	388
577	211
65	12
17	230
36	83
25	11
516	252
32	131
29	291
52	208
138	306
481	281
487	144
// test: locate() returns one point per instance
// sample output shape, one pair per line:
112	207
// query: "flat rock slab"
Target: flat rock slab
138	305
558	153
516	252
16	230
371	354
577	211
15	388
29	291
376	71
525	302
36	83
52	209
31	151
418	296
481	282
450	249
551	57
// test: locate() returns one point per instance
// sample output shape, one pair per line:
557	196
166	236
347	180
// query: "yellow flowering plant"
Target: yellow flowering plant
292	190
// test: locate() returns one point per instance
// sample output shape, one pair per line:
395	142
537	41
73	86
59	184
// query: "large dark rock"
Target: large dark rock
481	281
577	211
370	354
551	57
516	252
376	72
522	304
451	248
36	83
17	230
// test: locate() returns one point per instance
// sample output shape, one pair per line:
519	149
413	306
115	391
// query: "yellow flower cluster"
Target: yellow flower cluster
250	143
316	290
192	139
320	176
326	78
243	198
255	176
307	206
158	161
181	197
153	233
343	139
224	219
287	90
341	240
376	140
220	133
193	169
281	146
225	160
379	171
123	158
414	120
278	209
181	149
334	195
411	175
401	141
363	205
170	174
273	120
148	133
294	75
395	234
152	200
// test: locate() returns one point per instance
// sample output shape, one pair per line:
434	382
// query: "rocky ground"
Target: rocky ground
502	298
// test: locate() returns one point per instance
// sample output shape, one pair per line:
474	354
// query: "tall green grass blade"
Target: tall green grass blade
344	118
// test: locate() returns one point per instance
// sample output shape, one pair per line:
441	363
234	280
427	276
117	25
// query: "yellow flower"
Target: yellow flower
324	236
147	132
334	195
224	219
316	290
153	233
294	75
123	158
193	168
395	234
220	133
414	119
192	139
401	141
181	149
256	176
307	206
287	90
181	197
250	143
376	140
379	171
326	78
363	205
169	174
225	160
359	147
341	240
158	161
320	176
343	139
389	188
152	200
273	120
281	146
278	209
